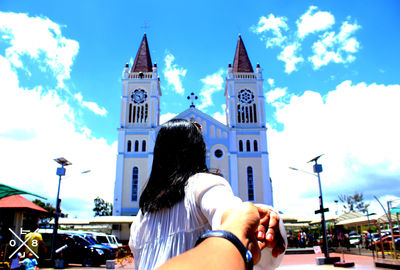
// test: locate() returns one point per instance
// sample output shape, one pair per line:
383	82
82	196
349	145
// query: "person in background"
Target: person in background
30	263
35	241
182	200
15	262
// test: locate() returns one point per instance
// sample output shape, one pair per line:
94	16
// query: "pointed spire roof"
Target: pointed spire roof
143	60
241	63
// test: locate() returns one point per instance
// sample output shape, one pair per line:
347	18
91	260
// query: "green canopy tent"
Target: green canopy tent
395	209
6	191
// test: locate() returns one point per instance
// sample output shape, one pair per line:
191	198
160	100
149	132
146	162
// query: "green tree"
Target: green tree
353	203
102	208
45	219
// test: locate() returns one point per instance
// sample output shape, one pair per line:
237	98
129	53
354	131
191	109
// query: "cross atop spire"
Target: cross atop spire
193	98
241	62
143	60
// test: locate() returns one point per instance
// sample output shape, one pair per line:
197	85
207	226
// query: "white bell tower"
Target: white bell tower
140	113
245	112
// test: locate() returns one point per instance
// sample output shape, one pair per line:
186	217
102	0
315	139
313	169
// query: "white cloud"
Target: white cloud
174	74
271	29
288	55
314	21
271	82
41	125
40	39
329	47
211	84
94	107
275	94
354	127
221	117
166	117
337	48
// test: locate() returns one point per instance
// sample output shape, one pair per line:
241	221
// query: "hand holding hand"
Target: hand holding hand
268	233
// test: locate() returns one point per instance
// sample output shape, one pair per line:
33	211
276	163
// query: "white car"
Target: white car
106	239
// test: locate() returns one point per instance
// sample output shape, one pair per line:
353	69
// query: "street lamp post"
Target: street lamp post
317	170
60	172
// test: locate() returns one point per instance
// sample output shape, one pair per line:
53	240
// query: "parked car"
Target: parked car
387	242
106	239
355	240
73	248
88	236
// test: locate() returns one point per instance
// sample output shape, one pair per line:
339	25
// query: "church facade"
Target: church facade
238	149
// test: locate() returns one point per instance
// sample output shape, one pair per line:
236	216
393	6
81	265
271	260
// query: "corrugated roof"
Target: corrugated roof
361	220
347	216
17	201
143	60
241	62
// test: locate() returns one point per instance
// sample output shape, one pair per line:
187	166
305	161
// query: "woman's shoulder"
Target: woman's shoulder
207	179
201	182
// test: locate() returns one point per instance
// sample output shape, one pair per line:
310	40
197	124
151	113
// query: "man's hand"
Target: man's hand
243	222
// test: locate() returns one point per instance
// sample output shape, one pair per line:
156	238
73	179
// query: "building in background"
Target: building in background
238	149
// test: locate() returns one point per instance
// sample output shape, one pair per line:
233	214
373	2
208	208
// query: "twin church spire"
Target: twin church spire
241	61
243	91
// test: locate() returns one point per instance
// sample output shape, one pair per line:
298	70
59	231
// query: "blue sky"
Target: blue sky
331	83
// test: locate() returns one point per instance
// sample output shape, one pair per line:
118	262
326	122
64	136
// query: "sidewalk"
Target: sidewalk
308	261
290	262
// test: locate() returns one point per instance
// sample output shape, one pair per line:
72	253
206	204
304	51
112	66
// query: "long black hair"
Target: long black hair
179	153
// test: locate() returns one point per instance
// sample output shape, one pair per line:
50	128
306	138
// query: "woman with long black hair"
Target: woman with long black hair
182	200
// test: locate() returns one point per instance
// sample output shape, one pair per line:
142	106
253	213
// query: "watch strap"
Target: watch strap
246	254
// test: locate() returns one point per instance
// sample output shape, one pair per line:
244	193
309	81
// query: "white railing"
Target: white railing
141	75
244	76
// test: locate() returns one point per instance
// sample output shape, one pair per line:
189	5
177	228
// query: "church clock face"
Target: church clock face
139	96
246	96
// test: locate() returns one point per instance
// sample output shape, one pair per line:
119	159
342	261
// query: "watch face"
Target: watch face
139	96
246	96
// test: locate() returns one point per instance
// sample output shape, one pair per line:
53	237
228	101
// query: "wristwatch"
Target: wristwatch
246	254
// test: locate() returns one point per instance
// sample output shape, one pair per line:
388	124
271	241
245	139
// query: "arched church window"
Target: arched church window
255	112
255	146
144	146
141	114
129	147
250	184
240	146
135	182
146	112
238	113
245	108
248	146
133	114
130	113
136	146
139	109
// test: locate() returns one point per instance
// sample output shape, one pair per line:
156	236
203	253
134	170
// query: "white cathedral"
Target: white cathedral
238	149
